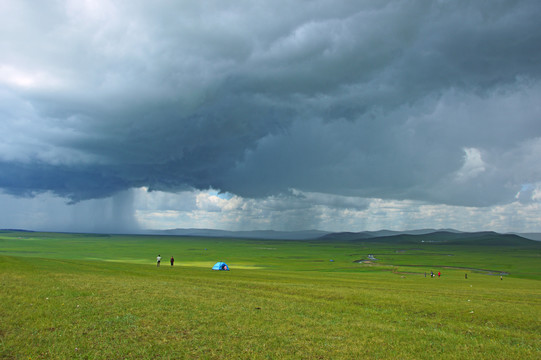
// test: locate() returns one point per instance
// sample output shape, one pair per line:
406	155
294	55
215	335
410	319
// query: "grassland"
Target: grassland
68	296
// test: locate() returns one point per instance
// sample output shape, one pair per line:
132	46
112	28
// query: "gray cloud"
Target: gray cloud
430	101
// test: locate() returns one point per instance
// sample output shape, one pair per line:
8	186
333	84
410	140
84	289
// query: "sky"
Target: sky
119	116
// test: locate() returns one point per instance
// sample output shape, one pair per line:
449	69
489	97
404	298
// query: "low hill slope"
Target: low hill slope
451	238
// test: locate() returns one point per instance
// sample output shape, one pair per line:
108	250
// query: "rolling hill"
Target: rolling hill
486	238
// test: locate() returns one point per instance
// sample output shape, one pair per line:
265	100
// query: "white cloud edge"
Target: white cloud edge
139	209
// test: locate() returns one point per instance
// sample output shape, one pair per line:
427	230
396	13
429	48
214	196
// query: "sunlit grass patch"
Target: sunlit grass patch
130	261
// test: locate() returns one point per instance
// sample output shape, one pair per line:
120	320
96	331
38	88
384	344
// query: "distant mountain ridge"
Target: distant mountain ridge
16	230
291	235
531	236
417	236
482	238
381	233
247	234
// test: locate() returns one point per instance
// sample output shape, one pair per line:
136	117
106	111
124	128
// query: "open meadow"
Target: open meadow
78	296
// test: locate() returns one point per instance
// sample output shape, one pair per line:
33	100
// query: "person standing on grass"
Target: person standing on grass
439	274
158	260
172	260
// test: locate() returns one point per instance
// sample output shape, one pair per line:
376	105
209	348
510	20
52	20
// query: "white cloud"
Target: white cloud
25	78
473	165
211	202
536	193
294	212
154	210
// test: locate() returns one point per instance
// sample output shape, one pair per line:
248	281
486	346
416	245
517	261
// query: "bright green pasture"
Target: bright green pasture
67	296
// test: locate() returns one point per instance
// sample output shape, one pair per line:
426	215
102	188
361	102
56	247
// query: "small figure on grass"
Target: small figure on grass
465	275
172	260
439	273
158	260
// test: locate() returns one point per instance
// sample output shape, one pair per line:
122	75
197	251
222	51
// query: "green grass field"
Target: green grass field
70	296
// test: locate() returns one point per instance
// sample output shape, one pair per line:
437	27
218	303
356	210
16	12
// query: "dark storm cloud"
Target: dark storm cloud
433	101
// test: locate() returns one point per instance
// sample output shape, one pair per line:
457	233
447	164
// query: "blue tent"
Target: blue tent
220	266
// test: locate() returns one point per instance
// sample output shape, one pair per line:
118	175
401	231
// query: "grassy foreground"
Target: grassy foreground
88	297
